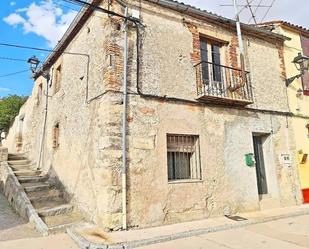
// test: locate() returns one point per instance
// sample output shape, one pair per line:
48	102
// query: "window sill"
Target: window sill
185	181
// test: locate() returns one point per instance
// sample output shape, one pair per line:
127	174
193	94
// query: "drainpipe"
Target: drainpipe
124	126
240	44
47	77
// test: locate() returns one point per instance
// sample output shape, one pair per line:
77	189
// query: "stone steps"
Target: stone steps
27	172
24	179
21	167
16	156
44	195
36	186
56	210
46	199
59	223
18	162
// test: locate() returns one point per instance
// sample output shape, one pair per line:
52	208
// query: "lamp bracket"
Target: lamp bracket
290	80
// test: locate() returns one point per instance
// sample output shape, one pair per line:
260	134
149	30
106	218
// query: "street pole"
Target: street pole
240	43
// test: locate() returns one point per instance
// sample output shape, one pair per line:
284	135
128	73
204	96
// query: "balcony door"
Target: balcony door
211	61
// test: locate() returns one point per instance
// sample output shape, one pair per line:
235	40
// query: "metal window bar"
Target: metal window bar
183	157
230	77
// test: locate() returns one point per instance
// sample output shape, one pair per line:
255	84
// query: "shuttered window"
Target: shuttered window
305	77
215	52
211	62
204	58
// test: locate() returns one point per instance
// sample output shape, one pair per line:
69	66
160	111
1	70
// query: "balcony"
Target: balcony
223	85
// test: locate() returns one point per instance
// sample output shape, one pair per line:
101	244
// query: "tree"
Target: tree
9	109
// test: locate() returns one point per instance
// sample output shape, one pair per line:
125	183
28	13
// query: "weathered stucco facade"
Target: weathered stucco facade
88	159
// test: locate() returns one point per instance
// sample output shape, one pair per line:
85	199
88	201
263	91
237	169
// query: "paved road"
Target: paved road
16	233
291	233
11	225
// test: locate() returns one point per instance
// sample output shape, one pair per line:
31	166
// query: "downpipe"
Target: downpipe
47	77
124	126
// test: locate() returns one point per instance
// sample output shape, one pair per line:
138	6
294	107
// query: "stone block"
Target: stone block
144	143
3	154
108	142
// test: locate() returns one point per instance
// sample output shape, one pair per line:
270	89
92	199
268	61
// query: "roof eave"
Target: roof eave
201	13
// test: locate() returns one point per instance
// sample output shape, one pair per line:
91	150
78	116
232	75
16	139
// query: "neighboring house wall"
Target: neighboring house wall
299	101
87	160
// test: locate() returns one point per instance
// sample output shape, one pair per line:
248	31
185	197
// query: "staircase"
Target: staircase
45	197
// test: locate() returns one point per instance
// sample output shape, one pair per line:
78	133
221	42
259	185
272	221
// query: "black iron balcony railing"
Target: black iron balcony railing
218	83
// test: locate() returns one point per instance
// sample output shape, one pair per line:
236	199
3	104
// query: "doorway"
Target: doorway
260	165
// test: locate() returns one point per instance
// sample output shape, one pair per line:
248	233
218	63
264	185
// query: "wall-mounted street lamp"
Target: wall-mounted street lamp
301	63
34	63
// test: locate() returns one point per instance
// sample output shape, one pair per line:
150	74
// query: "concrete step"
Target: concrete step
27	172
35	186
21	167
18	162
59	223
17	156
44	195
54	210
24	179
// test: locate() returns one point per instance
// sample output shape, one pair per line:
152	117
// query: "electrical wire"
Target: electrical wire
98	8
271	5
11	59
11	74
26	47
39	49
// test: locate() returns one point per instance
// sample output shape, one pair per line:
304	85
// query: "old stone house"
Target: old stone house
193	121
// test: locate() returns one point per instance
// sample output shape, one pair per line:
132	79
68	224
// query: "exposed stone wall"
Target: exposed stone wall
88	158
227	185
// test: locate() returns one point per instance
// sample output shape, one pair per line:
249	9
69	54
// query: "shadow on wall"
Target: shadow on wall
54	179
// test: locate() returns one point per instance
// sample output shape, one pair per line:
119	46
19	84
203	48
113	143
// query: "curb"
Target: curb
85	244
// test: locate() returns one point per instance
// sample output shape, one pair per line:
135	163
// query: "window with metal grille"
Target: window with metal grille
183	157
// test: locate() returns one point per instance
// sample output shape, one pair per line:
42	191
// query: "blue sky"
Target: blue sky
18	25
42	23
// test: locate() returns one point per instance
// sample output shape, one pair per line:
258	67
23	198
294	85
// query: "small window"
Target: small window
56	136
57	79
40	93
183	157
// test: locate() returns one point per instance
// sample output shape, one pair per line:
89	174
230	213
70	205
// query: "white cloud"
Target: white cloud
14	19
44	19
12	3
2	89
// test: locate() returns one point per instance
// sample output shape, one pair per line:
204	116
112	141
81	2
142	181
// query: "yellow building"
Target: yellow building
298	93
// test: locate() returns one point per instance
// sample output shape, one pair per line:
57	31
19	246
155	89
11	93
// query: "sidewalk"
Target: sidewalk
94	237
11	225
